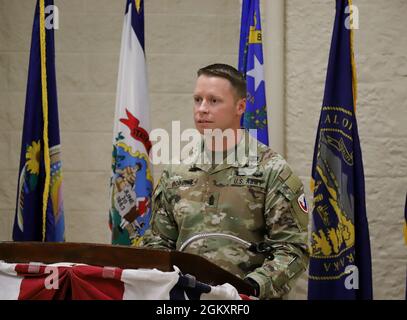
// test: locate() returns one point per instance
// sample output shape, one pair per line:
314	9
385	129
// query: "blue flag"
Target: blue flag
39	207
405	234
340	259
131	181
251	64
405	222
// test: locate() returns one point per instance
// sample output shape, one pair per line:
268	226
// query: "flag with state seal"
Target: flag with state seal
340	259
39	206
131	181
251	64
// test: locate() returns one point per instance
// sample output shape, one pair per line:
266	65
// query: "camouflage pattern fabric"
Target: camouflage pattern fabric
254	198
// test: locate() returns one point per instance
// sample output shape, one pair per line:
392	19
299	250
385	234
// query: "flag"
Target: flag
405	221
131	178
405	234
68	281
39	212
251	64
340	259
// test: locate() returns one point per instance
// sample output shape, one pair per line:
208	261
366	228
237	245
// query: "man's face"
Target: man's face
216	105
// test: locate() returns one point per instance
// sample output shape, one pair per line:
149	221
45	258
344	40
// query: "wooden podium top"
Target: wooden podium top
122	257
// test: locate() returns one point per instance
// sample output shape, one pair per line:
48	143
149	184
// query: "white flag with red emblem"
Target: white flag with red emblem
131	177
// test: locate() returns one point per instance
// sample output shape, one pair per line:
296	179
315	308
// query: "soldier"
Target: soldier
256	198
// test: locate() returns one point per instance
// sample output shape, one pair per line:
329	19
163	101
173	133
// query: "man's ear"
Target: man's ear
241	106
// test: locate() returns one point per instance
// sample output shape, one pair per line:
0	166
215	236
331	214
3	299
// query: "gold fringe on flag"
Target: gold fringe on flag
45	116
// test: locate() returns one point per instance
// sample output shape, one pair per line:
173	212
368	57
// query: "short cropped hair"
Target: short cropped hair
228	72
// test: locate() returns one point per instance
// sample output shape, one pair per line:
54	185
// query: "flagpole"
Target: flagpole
274	72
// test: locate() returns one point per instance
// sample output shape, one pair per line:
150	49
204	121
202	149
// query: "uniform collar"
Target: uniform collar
246	151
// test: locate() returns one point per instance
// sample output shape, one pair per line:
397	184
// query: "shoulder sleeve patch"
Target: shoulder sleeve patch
302	203
300	211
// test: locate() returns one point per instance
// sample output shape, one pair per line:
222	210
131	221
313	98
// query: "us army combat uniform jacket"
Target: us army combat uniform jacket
256	198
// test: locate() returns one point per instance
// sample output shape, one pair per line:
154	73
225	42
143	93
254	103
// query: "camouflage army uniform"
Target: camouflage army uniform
253	201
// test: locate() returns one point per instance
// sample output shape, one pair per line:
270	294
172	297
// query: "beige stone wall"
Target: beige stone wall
182	35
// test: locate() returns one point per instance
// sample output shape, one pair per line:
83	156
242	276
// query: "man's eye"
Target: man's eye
214	101
197	99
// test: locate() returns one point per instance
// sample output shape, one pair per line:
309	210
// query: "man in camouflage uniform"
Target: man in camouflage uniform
254	196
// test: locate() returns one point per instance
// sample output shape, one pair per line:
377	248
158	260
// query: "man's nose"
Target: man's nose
203	107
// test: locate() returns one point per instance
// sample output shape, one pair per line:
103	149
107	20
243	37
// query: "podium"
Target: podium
123	257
